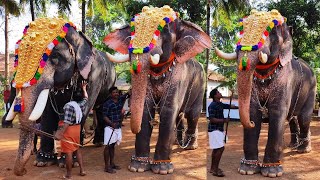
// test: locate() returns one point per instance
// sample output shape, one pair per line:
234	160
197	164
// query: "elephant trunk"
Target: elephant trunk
24	151
244	81
139	88
26	137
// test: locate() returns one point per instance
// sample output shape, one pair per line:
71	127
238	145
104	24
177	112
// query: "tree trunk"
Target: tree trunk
32	10
6	52
83	16
207	58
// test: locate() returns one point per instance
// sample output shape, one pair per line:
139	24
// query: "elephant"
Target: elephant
65	55
274	86
167	81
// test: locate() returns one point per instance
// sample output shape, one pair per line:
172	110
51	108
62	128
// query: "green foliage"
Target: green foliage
225	39
2	87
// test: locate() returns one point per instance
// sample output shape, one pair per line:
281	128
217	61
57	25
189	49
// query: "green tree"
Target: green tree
9	7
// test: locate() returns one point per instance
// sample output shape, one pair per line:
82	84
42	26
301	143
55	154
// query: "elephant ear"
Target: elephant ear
286	48
119	39
191	41
85	55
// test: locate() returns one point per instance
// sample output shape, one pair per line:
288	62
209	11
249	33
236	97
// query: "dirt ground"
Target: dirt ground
296	166
188	164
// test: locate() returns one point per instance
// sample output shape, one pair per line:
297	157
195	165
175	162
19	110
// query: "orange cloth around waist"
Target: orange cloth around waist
72	133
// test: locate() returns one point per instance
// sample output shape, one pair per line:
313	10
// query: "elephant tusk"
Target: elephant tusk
40	105
226	56
154	59
119	58
11	114
263	57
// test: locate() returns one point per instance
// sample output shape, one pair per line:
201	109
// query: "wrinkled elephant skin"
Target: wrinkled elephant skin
73	58
172	86
277	87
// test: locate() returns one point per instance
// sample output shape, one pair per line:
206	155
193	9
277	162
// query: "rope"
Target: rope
31	129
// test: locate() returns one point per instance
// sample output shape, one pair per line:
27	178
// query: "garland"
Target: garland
44	57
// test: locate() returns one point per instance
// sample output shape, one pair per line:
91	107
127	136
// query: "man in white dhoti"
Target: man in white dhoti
112	132
216	130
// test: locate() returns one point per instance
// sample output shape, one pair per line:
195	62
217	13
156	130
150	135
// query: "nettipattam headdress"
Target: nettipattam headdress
33	50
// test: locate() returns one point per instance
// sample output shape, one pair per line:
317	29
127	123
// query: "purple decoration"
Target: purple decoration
275	22
166	19
255	47
146	49
45	57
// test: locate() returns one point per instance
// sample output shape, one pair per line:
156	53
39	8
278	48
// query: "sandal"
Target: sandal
110	170
218	173
83	173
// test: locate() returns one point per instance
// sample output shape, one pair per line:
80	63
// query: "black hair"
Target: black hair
77	95
112	89
213	93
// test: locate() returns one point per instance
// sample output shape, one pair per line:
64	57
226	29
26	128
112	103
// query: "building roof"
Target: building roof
214	76
2	63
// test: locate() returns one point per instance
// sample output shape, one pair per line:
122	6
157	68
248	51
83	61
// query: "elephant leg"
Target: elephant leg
180	129
294	131
191	140
162	163
141	161
271	166
304	120
250	163
49	123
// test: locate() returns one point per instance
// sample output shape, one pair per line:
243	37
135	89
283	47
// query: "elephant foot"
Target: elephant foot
191	143
45	159
272	170
304	146
139	164
249	167
162	167
294	143
62	161
20	172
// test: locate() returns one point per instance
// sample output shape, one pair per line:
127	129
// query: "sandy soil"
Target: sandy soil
188	164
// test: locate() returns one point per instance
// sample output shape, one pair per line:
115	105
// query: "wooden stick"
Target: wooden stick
225	136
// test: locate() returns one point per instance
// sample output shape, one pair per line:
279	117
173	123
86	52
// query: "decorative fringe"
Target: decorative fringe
19	105
136	66
244	64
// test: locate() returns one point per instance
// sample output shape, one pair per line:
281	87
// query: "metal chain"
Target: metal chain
185	107
165	99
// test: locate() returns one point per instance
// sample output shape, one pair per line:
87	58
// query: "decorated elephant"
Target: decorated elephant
53	55
167	82
273	86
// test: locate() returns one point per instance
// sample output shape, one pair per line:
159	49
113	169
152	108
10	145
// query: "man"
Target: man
112	132
69	129
216	130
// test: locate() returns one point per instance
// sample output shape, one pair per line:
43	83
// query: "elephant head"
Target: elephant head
48	56
154	39
265	44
